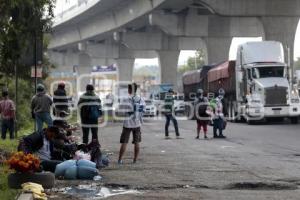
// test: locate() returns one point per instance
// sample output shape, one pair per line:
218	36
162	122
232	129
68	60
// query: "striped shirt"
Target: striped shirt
134	119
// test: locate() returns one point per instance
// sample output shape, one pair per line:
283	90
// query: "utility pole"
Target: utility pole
195	59
16	99
35	70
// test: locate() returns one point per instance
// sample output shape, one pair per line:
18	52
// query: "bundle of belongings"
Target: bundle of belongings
37	190
85	163
53	145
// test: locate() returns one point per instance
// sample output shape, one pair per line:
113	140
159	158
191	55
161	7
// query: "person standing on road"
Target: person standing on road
219	112
60	100
201	105
40	108
168	110
135	106
90	111
7	111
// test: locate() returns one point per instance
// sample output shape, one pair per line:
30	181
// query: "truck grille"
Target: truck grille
276	96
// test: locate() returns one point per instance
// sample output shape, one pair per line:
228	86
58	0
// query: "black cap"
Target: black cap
89	87
53	129
4	93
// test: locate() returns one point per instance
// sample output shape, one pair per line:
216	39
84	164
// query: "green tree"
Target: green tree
193	63
21	22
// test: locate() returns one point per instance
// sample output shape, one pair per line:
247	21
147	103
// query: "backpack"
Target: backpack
94	112
136	106
202	107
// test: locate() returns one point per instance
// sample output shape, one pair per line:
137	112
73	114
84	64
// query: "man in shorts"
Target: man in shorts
134	108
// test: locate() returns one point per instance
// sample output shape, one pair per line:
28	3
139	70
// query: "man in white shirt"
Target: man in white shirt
135	107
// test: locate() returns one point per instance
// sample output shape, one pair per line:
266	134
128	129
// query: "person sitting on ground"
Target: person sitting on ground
65	129
43	144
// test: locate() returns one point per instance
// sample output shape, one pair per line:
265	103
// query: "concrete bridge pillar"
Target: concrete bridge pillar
217	49
282	29
84	70
168	62
125	68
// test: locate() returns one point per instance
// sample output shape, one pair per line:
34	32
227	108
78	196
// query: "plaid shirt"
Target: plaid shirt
7	109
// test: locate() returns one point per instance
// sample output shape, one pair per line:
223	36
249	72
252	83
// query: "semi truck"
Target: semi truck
256	84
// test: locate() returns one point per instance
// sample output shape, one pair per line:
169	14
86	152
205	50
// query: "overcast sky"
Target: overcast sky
65	4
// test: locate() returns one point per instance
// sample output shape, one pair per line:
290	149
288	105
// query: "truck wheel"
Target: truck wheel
250	122
294	120
230	111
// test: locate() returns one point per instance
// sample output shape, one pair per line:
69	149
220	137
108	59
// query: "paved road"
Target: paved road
254	162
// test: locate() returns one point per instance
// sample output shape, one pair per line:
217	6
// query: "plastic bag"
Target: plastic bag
81	155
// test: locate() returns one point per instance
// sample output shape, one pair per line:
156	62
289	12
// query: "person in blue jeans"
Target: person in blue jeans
40	108
169	104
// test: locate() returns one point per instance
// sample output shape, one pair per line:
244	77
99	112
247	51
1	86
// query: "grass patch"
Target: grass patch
9	146
5	191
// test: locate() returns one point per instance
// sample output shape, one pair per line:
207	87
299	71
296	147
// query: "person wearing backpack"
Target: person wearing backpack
202	117
219	113
135	106
90	110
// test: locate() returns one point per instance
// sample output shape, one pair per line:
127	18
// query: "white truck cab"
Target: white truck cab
262	87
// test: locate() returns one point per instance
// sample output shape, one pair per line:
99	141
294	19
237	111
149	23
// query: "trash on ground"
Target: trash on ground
94	192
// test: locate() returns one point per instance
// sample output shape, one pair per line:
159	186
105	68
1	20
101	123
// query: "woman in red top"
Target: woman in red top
7	111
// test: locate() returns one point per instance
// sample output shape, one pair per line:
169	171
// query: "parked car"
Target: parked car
150	109
179	105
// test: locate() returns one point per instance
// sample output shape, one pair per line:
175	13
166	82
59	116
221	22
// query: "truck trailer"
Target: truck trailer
256	84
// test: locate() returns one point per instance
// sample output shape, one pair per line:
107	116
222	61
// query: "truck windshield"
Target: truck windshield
265	72
179	97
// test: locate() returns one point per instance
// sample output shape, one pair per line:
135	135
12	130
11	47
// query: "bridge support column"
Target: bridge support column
282	29
168	61
217	49
84	70
125	68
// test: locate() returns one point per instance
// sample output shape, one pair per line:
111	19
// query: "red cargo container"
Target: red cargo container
222	76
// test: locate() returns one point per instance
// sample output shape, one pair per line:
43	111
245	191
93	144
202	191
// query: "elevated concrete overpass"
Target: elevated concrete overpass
122	30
